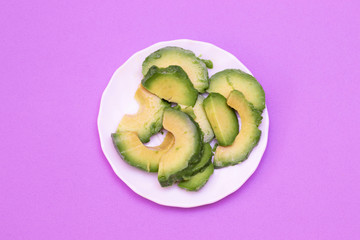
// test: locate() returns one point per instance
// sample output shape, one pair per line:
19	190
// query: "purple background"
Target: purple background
57	57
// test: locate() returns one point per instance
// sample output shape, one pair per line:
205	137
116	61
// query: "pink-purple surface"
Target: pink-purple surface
56	57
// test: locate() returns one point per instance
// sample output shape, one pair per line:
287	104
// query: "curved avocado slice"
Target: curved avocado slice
137	154
177	163
199	180
222	119
192	65
248	136
205	160
171	84
234	79
148	120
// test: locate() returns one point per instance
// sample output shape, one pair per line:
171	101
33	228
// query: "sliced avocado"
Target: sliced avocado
189	111
199	180
193	66
234	79
222	119
202	119
137	154
177	163
205	159
171	84
148	120
248	136
198	114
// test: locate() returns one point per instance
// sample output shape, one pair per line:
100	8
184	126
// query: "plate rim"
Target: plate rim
133	187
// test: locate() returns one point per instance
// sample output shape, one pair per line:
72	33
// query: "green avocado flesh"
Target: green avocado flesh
148	120
171	84
246	139
208	63
198	114
133	151
222	118
205	159
233	79
177	163
193	66
171	99
199	180
189	111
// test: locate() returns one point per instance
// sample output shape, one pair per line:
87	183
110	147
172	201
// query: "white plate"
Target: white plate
118	99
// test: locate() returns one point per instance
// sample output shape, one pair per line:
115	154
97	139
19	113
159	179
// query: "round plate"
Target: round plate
118	99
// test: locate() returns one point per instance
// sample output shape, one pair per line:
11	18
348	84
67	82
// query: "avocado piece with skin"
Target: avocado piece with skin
197	181
194	67
171	84
222	118
205	159
234	79
134	152
177	163
148	120
247	138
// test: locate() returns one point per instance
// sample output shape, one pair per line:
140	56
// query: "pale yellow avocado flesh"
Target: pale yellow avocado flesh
186	149
137	154
198	114
148	120
202	120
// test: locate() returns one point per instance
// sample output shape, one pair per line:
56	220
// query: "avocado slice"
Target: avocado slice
171	84
248	136
192	65
198	114
222	118
205	159
234	79
148	120
137	154
188	110
199	180
202	119
177	163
